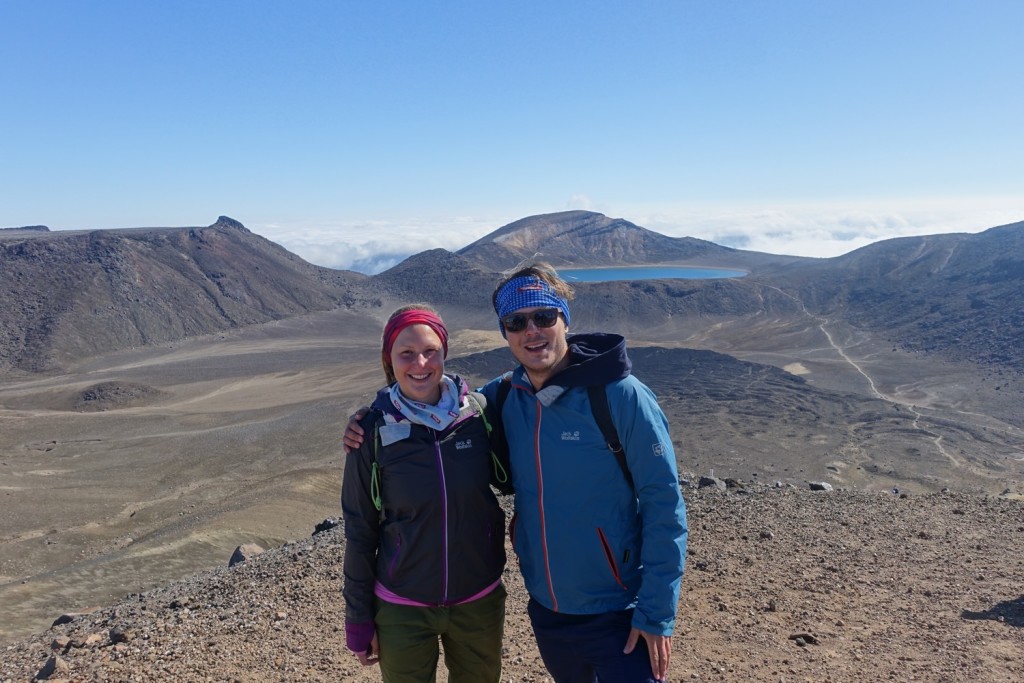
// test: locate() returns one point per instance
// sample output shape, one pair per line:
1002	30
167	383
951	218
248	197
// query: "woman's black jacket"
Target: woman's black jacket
439	536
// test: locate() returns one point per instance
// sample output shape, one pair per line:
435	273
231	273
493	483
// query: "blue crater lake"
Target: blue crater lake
647	273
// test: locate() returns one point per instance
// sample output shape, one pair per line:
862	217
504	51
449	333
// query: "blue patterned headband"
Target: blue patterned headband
527	291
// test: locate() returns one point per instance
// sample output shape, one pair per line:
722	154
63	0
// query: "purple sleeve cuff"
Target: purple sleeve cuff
358	636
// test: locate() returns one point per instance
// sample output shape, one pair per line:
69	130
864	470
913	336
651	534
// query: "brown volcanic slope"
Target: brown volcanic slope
69	295
437	276
958	296
593	239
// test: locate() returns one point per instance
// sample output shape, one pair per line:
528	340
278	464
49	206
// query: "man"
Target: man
601	555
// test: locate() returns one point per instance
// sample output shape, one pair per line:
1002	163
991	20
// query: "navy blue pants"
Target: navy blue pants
587	648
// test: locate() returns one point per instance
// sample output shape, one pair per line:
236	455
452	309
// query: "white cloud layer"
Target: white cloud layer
826	230
372	246
821	230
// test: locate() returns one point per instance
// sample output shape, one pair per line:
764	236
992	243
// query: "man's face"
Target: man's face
543	351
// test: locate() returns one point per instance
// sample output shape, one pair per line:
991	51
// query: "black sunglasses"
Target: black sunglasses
542	317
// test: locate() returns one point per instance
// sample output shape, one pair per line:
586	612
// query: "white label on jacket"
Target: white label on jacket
389	434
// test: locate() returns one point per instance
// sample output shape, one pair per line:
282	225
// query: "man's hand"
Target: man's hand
353	438
658	647
371	656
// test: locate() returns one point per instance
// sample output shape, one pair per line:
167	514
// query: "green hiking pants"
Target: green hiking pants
470	633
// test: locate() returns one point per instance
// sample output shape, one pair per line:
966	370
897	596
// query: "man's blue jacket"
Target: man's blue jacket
588	543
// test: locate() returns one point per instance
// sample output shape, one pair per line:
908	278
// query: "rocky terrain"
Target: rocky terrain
781	585
168	394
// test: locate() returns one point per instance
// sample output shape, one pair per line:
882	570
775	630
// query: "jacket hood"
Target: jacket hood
594	358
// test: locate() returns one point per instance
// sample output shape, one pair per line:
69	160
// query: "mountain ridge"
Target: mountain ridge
65	296
958	296
68	295
593	239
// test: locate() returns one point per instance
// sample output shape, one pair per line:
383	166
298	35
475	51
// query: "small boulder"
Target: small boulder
803	639
326	525
706	481
55	666
60	643
68	617
243	553
121	634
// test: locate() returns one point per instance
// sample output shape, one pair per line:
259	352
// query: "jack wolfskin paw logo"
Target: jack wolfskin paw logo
571	436
659	450
463	445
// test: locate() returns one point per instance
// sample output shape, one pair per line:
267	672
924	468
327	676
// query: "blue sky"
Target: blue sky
354	133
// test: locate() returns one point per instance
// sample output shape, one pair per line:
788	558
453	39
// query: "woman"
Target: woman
425	534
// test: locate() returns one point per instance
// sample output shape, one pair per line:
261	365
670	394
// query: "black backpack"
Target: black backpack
602	414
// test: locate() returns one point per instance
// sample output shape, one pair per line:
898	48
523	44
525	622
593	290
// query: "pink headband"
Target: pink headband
413	317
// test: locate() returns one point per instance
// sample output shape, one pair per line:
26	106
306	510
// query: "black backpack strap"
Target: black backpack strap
504	387
603	414
499	444
598	406
499	448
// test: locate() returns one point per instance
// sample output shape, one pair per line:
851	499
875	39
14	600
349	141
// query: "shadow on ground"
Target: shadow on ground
1009	612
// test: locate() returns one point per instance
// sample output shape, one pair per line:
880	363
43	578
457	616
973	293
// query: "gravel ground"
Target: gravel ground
781	585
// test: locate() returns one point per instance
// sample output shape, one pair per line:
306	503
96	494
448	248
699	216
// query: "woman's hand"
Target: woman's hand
372	654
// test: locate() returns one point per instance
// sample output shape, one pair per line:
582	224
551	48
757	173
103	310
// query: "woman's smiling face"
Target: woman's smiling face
418	360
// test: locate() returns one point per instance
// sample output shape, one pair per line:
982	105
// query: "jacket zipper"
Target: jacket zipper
540	503
444	522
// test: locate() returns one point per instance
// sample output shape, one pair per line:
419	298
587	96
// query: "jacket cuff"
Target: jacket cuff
358	636
657	628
